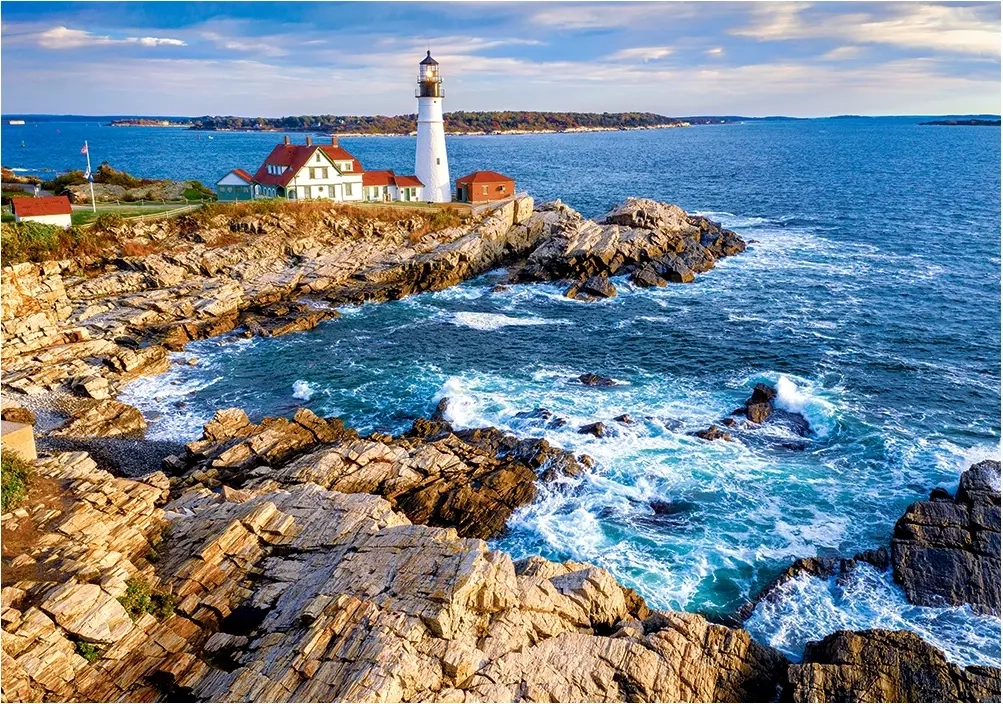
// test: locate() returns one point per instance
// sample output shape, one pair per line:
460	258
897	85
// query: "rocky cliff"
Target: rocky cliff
292	559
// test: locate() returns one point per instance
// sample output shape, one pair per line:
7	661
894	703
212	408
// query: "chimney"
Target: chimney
287	139
309	141
334	141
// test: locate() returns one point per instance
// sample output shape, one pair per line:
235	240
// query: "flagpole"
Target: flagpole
90	177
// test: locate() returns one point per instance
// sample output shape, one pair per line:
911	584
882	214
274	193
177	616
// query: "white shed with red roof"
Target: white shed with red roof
51	210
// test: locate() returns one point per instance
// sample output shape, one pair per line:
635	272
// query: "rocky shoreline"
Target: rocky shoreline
301	561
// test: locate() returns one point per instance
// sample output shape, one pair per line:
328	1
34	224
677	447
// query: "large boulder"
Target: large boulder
948	552
103	419
886	666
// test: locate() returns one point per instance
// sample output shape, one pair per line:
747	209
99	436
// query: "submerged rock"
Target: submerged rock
949	552
596	380
713	433
598	429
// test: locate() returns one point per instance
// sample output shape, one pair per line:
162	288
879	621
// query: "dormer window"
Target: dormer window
347	166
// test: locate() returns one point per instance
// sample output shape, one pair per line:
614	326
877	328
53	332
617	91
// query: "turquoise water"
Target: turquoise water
871	296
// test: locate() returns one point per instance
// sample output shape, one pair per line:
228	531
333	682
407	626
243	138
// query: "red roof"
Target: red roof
389	178
408	181
339	154
378	178
484	177
47	205
295	157
243	174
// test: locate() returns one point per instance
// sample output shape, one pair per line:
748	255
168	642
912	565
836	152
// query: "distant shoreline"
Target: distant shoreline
471	133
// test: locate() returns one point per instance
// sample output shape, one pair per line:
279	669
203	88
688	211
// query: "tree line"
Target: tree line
458	122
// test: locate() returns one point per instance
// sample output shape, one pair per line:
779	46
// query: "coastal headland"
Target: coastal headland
293	559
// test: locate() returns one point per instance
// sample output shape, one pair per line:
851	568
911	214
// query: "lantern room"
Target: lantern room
429	82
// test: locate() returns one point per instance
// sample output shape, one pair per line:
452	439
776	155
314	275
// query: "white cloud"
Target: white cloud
610	15
715	51
642	53
947	28
66	38
842	53
264	46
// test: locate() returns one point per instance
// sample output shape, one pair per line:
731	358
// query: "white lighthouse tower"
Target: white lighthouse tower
430	165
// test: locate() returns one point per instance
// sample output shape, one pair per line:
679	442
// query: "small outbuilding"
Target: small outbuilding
387	186
50	210
484	186
236	185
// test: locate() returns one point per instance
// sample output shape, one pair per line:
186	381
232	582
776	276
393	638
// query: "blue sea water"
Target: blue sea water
871	296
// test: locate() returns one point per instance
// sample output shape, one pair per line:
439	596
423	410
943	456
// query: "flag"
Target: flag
87	175
83	149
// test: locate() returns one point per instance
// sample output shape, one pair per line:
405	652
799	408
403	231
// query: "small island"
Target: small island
459	122
963	123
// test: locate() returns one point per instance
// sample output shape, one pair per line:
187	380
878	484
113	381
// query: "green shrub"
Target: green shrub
108	221
37	242
197	191
59	183
15	480
88	651
139	599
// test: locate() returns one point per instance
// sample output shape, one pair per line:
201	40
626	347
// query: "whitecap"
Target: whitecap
807	609
494	321
303	390
818	412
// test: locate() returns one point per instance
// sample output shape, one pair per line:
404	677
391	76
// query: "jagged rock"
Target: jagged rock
886	666
103	419
277	319
598	429
92	386
653	241
17	414
88	612
949	553
760	405
596	380
597	286
713	433
625	419
646	277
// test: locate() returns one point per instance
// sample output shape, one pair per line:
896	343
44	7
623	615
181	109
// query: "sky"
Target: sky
673	58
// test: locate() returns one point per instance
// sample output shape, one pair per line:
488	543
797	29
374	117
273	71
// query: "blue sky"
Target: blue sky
674	58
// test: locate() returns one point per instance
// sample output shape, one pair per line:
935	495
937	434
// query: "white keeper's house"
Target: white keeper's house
316	171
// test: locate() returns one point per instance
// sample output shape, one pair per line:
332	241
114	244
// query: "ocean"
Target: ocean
870	295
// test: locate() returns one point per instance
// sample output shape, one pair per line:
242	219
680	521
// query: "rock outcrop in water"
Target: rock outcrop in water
886	666
653	242
470	480
948	551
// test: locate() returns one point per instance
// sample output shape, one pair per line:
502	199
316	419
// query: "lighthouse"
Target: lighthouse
430	165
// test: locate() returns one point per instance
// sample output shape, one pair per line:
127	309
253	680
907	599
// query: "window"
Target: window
348	189
502	188
347	166
437	162
331	192
323	173
318	158
484	190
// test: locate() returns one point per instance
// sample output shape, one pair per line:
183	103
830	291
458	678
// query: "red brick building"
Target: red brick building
484	186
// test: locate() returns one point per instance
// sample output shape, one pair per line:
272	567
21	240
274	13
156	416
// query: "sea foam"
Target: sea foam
303	390
494	321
